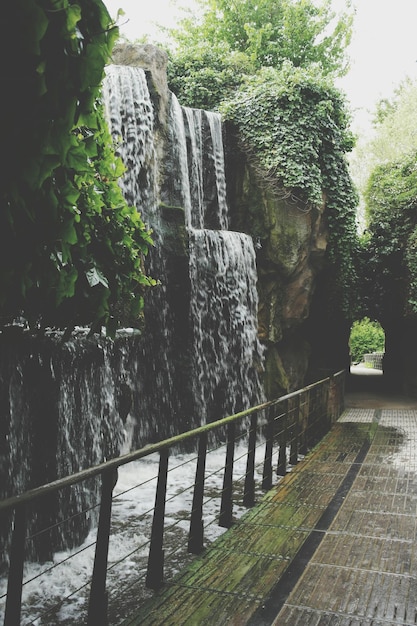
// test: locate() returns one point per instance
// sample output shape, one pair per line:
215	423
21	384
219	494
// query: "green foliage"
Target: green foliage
394	137
269	67
391	269
396	125
71	250
203	74
233	38
366	336
392	186
411	262
294	124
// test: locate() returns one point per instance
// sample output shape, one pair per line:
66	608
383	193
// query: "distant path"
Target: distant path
366	388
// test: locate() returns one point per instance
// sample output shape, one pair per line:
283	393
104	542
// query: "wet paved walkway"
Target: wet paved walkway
364	572
333	544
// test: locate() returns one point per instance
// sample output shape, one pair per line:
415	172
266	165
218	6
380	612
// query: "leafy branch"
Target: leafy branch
71	250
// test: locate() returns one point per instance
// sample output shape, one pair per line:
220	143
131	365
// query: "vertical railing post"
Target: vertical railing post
304	423
226	505
269	442
155	572
332	400
17	558
97	607
249	489
339	380
282	454
336	396
196	535
327	400
295	430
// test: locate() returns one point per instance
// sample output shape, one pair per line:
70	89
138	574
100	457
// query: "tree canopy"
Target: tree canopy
71	250
390	270
240	37
389	161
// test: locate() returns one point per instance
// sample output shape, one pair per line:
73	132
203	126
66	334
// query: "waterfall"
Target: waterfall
132	124
67	406
205	165
60	415
221	347
226	353
132	129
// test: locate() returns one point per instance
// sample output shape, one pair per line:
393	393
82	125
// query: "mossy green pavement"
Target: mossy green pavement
236	574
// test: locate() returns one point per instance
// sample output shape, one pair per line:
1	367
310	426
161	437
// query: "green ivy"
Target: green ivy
71	250
294	125
391	246
411	261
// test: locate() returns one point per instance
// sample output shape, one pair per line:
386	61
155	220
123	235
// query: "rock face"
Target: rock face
290	239
154	61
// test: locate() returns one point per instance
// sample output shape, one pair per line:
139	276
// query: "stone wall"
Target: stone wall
291	241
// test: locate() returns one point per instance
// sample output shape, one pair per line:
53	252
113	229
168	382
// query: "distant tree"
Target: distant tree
396	124
391	268
394	136
267	33
366	336
203	74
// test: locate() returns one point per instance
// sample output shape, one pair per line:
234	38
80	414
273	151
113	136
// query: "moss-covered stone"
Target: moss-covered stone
291	240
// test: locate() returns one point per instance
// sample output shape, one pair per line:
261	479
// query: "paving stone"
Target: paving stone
362	569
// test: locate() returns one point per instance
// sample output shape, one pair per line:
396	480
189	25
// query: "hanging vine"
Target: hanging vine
71	250
295	124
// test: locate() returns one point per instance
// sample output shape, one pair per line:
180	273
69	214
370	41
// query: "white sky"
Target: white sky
383	49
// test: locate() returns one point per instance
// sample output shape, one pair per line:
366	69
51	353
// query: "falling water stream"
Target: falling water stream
199	359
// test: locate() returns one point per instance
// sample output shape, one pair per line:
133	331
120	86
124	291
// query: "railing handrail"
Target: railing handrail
295	435
115	463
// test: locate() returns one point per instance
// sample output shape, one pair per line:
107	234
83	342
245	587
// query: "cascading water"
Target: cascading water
224	300
160	391
59	416
205	165
223	355
226	354
132	128
67	406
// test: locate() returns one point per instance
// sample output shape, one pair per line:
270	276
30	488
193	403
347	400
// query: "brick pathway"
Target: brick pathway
364	573
333	544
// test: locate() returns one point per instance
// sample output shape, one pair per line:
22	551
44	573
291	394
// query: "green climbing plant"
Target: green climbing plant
294	125
71	250
391	197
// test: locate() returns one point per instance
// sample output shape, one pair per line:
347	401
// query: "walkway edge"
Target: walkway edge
239	572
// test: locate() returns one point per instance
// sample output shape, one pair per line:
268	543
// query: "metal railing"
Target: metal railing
287	427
